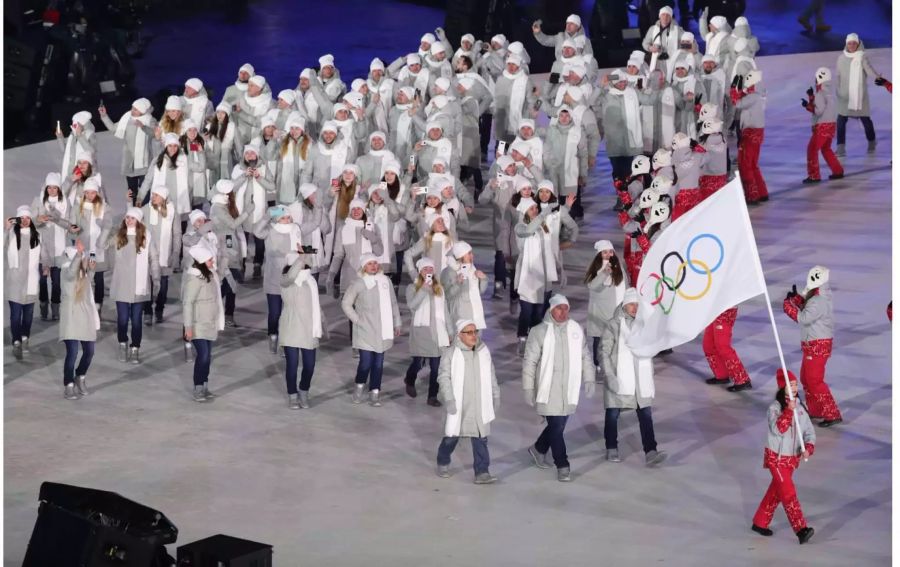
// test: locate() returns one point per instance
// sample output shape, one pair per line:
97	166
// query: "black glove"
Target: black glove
880	81
804	103
698	98
810	92
619	206
639	217
663	56
735	81
792	293
740	82
636	233
694	144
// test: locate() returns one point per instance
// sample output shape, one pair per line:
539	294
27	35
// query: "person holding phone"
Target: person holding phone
514	97
498	193
24	256
536	269
80	141
165	230
170	169
296	152
429	333
92	220
406	123
358	237
136	130
52	221
301	326
194	147
465	284
222	145
253	183
204	315
572	31
83	173
227	223
79	320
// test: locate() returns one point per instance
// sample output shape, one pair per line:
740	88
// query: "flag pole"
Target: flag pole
759	271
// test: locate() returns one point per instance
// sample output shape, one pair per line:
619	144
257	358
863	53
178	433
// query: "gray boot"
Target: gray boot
520	349
840	150
872	145
443	471
54	311
209	395
81	385
17	350
123	352
134	355
375	399
358	393
273	344
294	401
654	458
70	393
304	399
148	319
43	311
540	460
199	394
485	478
498	291
229	321
25	348
189	352
564	475
612	455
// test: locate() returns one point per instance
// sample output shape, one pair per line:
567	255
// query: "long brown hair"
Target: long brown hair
303	145
435	285
615	269
140	237
217	129
163	210
59	194
171	126
393	188
186	142
346	194
429	236
173	160
232	206
203	269
81	279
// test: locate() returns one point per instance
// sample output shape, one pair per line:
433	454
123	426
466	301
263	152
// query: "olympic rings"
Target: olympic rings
662	271
659	291
708	281
691	246
684	262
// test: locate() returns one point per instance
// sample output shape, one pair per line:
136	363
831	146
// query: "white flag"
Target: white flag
702	264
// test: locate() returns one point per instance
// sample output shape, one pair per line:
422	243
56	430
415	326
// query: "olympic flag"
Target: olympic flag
702	264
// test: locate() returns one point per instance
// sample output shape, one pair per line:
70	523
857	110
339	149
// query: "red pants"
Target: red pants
633	263
709	184
685	200
723	360
781	491
821	142
812	375
748	164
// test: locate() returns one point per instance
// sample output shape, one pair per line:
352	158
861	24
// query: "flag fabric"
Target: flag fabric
700	265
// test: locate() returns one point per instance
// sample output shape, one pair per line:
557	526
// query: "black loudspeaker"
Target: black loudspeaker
83	527
225	551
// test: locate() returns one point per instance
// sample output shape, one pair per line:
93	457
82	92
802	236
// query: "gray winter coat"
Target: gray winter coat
16	280
753	110
555	157
610	352
128	150
295	325
200	306
156	233
82	219
602	302
557	403
615	124
361	306
423	341
278	246
502	93
471	424
816	319
460	303
556	41
48	229
715	160
346	256
77	313
825	106
122	287
227	229
842	79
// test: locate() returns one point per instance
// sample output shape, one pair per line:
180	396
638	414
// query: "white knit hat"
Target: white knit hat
195	215
53	178
357	204
574	19
91	184
424	262
437	48
460	249
161	191
431	218
376	65
224	107
662	158
357	84
504	161
558	299
224	186
413	59
630	296
851	37
463	323
187	124
525	204
258	80
142	104
365	259
251	148
174	103
307	189
81	155
288	96
442	83
392	165
171	139
135	213
351	167
665	10
427	38
326	60
548	185
81	117
194	83
201	253
602	245
24	211
330	126
248	68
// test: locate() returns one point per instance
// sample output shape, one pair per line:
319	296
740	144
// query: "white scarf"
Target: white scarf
536	147
220	310
670	47
293	232
422	318
310	102
619	290
197	106
345	127
538	265
548	356
257	191
856	82
403	122
93	227
298	212
257	105
384	303
141	262
165	231
516	98
440	240
471	283
287	188
34	259
140	137
667	115
383	226
625	369
457	380
631	106
338	153
348	235
61	205
443	148
69	154
713	41
305	278
182	199
570	159
384	89
420	79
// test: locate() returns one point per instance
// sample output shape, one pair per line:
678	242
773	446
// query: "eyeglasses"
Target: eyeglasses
474	332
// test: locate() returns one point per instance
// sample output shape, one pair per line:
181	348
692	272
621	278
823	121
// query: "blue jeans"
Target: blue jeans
842	128
596	351
417	364
500	271
292	356
203	348
275	304
99	287
69	370
479	452
124	312
645	420
621	166
228	295
551	438
20	315
371	366
161	296
53	296
531	314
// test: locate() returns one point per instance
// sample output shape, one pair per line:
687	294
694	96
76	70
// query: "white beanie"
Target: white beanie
23	211
354	99
460	249
91	184
442	83
602	245
81	117
413	59
351	167
427	38
710	58
377	134
357	84
135	212
558	299
142	104
161	191
330	126
194	83
376	65
53	178
525	205
365	259
224	186
686	37
258	80
224	107
288	95
251	148
433	124
514	60
187	124
201	253
504	161
681	140
174	103
499	38
248	68
437	48
741	21
392	165
307	189
306	74
851	37
431	218
631	296
719	21
463	323
81	155
295	120
171	139
467	37
665	10
357	204
574	19
326	60
466	83
424	262
195	215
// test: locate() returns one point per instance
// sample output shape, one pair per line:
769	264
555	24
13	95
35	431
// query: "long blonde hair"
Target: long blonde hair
429	236
435	285
170	126
80	280
97	204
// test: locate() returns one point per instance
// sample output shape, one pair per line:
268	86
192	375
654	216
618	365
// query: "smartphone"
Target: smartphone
537	104
640	84
93	255
383	186
429	278
335	182
501	147
554	78
412	161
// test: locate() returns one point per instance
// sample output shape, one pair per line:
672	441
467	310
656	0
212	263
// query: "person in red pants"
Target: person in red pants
823	107
813	311
750	100
782	457
724	362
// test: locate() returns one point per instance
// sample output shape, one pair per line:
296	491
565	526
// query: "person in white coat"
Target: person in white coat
24	255
79	321
606	281
254	182
629	383
371	306
82	139
557	364
169	169
536	268
165	230
52	211
136	129
301	326
471	395
204	315
429	333
464	284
